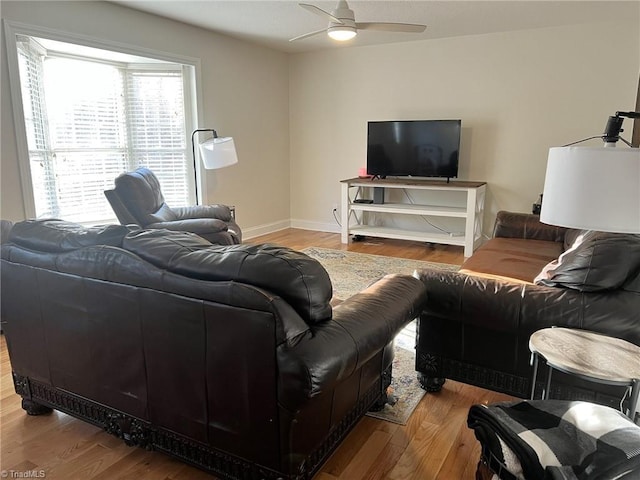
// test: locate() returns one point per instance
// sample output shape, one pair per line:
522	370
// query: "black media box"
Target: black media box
378	195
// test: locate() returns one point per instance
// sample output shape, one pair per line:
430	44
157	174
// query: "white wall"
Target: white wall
517	93
245	94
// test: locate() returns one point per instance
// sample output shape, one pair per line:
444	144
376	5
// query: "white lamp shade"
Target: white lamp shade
218	152
593	188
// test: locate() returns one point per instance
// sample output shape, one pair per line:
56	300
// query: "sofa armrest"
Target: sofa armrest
373	317
194	225
499	305
221	212
361	327
526	226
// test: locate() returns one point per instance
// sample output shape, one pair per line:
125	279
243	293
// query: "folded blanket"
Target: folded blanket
559	440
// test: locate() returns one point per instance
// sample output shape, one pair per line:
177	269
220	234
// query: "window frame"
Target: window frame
192	93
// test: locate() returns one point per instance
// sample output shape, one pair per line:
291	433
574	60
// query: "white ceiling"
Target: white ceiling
272	23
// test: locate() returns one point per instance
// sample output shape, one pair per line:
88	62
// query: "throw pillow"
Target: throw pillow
596	261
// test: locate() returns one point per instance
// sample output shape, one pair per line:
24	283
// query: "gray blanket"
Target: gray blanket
559	440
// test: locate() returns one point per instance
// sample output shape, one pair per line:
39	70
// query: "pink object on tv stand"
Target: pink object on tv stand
362	173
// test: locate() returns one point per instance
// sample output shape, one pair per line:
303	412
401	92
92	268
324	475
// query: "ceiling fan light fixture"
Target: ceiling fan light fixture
342	33
343	26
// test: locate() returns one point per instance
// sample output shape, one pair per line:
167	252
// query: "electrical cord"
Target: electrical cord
451	234
411	201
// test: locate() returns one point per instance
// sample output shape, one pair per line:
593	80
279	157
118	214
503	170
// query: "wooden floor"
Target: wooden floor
435	444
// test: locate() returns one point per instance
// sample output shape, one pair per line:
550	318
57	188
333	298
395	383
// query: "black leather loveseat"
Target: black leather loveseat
228	357
476	325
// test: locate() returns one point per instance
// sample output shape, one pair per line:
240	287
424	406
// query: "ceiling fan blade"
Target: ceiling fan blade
318	11
307	35
392	27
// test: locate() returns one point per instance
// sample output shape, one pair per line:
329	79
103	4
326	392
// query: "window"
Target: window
92	115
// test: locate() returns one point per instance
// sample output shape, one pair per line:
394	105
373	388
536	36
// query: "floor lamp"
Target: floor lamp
594	188
216	152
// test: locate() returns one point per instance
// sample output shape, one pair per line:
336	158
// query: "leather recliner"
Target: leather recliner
137	199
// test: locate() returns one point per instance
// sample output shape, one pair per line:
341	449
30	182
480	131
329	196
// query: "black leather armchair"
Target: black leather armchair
137	199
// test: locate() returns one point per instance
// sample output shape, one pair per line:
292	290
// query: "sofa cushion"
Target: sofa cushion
596	261
52	235
292	275
511	258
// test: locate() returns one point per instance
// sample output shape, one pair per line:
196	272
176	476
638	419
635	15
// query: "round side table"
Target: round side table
588	355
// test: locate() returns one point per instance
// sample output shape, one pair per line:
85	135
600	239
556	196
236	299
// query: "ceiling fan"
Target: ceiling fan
343	26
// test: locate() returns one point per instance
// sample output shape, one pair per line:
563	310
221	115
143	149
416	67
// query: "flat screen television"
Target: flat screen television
419	148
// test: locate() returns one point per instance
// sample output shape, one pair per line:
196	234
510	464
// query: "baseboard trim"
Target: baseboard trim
252	232
317	226
267	228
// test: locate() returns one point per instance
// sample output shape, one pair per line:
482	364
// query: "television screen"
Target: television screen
420	148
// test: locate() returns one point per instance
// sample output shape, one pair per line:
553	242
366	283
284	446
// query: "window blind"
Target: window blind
157	126
36	127
89	120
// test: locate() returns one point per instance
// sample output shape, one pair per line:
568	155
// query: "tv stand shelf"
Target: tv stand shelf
354	219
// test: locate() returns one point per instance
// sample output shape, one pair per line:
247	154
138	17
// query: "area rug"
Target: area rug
350	273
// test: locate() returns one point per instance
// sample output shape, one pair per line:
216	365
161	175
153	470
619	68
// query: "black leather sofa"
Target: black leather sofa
476	325
230	358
